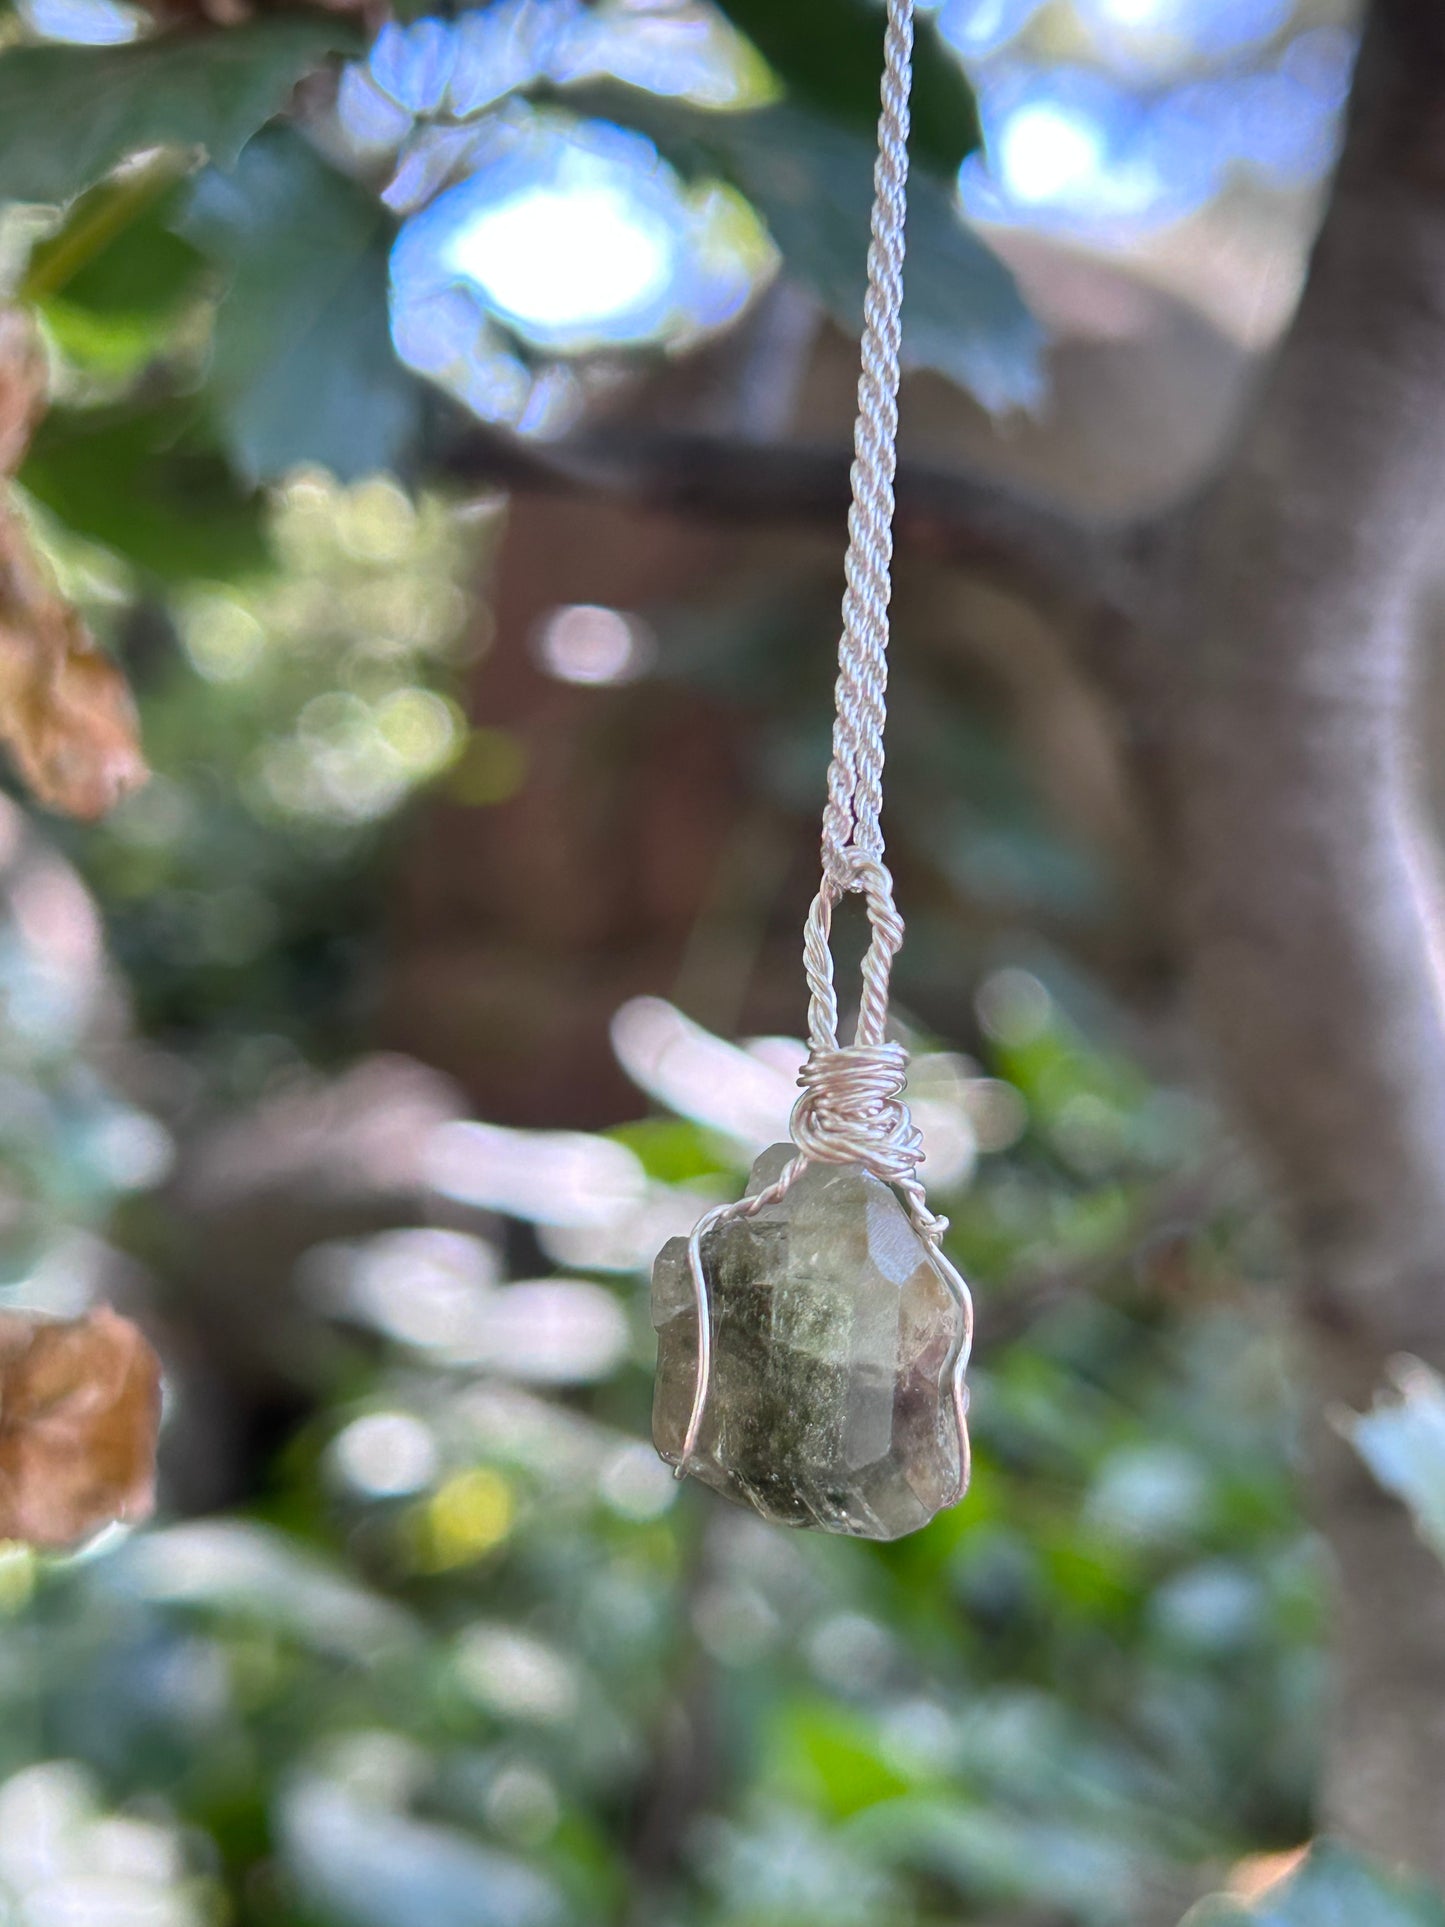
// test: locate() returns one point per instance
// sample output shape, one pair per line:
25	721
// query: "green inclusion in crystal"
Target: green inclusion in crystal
834	1336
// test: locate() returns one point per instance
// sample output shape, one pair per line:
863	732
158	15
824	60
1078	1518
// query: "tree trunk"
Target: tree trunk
1273	741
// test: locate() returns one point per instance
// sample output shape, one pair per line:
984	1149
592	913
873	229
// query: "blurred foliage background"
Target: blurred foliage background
368	1053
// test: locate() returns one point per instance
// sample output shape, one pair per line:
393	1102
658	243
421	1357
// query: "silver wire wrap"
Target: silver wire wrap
851	1110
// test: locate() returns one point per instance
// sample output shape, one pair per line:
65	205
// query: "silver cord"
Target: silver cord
851	1110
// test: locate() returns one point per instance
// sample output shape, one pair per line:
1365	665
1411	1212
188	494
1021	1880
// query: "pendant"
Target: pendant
835	1395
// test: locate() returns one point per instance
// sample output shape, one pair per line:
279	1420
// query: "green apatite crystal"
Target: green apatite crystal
834	1337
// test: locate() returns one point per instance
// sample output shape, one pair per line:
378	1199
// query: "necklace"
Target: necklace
813	1336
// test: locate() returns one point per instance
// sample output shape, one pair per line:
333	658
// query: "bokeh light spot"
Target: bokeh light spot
222	639
468	1517
636	1484
1045	152
583	643
83	23
557	257
515	1675
385	1455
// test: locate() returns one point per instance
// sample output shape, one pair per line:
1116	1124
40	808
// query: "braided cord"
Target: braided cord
851	1110
855	779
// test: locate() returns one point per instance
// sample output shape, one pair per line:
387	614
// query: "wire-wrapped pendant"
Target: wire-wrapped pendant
835	1394
813	1336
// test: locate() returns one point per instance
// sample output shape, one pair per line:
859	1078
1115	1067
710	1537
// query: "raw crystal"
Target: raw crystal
834	1335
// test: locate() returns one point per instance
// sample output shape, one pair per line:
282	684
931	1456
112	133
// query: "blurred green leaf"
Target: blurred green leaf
834	1758
116	347
812	181
1333	1888
303	368
983	1851
829	53
235	1567
1402	1440
362	1866
115	251
143	482
672	1149
145	268
70	114
115	282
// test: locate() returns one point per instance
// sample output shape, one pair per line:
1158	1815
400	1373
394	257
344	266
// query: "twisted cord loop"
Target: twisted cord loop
851	1110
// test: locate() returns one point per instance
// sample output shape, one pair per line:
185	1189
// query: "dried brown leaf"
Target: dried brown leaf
74	736
23	381
79	1414
66	713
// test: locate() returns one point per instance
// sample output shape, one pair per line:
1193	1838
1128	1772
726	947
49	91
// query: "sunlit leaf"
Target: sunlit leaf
1402	1440
829	53
303	368
70	114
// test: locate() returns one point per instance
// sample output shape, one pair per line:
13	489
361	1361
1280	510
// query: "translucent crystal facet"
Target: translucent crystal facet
833	1340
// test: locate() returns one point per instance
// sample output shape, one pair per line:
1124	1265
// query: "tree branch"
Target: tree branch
944	514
